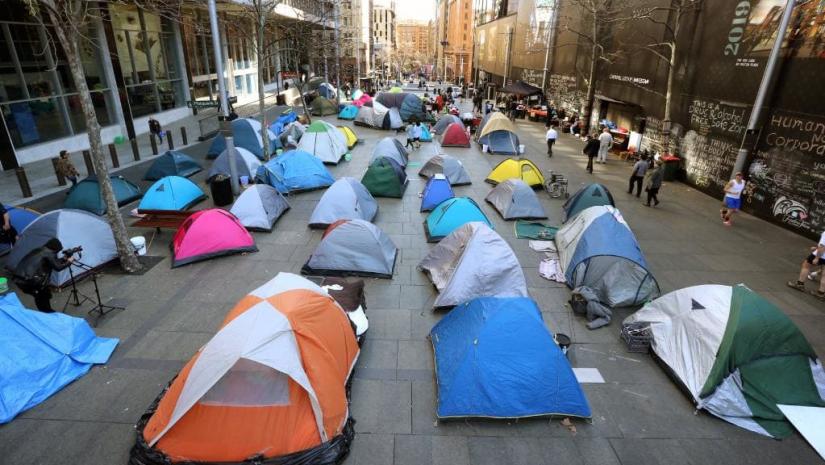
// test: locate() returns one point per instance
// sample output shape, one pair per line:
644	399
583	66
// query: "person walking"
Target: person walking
410	136
637	176
591	150
155	129
605	143
815	259
733	198
653	182
551	137
66	168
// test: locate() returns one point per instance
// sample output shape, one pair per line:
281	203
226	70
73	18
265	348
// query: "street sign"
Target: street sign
199	104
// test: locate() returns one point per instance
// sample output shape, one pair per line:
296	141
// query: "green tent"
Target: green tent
385	178
736	354
591	195
86	195
323	106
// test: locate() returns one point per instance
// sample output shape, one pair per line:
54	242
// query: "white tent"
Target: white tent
259	207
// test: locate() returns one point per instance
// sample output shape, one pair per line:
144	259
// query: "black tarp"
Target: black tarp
520	88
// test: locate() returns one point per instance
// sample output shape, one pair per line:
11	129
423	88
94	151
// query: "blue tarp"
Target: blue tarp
20	218
605	236
246	133
438	189
295	171
171	193
426	135
348	112
172	163
495	358
451	214
40	353
278	126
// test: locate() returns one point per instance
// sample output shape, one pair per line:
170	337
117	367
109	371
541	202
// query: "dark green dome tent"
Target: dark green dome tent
86	194
591	195
385	178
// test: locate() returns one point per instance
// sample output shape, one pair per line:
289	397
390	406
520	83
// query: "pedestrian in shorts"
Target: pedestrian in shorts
733	198
815	259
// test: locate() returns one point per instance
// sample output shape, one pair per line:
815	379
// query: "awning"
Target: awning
521	88
611	100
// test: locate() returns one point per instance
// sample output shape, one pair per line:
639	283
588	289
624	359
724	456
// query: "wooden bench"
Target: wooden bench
167	219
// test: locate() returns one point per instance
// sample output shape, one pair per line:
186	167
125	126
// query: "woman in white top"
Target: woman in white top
733	198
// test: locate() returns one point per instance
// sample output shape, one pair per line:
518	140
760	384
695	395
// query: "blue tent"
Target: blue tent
438	189
172	163
171	193
495	358
426	135
86	195
40	353
348	112
450	214
277	127
20	218
295	171
246	133
501	142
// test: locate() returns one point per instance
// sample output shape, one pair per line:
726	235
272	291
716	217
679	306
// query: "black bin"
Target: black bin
280	100
221	190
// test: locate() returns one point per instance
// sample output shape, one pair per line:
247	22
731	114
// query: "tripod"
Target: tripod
76	298
100	310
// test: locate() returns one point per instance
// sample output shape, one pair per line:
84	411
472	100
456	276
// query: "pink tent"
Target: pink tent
360	101
207	234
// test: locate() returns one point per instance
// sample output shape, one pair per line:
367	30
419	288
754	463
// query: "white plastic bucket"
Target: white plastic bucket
484	148
521	148
139	243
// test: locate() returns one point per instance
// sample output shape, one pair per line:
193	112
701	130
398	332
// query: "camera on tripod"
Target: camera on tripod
74	250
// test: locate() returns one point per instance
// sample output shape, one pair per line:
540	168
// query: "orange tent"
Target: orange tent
271	382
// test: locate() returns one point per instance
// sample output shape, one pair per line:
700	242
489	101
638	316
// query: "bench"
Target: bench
168	219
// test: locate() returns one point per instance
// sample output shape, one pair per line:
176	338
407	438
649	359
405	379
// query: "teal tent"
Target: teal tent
86	194
348	112
172	163
171	193
451	214
591	195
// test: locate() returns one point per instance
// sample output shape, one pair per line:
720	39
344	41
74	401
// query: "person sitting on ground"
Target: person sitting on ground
8	235
34	271
65	167
653	182
591	150
815	259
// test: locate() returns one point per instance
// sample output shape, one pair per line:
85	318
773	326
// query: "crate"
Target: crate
637	336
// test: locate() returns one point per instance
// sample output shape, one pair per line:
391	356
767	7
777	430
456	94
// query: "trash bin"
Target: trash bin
221	190
280	100
671	167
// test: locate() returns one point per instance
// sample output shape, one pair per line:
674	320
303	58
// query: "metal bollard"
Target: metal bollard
113	154
135	151
87	158
23	180
154	144
169	140
61	181
183	135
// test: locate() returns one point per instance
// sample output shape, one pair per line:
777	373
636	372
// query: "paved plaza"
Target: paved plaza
639	415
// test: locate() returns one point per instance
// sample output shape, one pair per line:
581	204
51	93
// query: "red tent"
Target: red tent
207	234
455	136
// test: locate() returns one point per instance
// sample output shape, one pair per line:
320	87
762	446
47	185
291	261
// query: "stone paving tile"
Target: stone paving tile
435	450
383	406
371	449
75	442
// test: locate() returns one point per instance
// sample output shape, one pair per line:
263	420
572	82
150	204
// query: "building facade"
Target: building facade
414	45
383	36
454	19
354	39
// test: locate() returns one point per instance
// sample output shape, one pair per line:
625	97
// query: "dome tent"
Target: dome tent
499	135
376	116
450	167
514	199
512	168
295	171
395	119
72	228
86	194
591	195
450	215
353	248
348	112
473	261
735	353
409	106
495	358
361	100
259	207
322	106
208	234
246	164
390	147
349	136
385	178
326	90
269	387
455	136
346	199
324	141
171	193
172	163
598	250
246	133
444	122
436	191
20	218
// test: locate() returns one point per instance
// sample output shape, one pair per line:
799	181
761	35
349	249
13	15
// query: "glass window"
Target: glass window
142	100
35	121
170	94
250	88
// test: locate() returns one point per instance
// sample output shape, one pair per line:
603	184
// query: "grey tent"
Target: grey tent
346	199
246	163
295	130
73	228
514	199
442	123
395	118
373	115
390	148
473	261
353	248
450	167
259	207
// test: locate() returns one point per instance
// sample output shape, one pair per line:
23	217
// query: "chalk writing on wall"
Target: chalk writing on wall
562	89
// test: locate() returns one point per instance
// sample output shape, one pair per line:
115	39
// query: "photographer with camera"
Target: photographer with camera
35	269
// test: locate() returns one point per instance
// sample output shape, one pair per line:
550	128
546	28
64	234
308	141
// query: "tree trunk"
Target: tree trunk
128	260
591	87
671	71
261	93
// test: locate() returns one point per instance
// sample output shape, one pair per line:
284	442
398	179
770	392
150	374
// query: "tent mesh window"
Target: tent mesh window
249	384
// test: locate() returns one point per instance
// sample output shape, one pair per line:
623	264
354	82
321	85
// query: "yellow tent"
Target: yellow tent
497	122
349	135
516	169
396	90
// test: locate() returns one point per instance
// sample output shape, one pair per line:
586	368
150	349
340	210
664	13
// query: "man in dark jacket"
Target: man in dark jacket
34	270
591	149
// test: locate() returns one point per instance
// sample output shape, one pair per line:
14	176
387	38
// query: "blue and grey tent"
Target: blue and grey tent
450	167
353	248
20	218
450	215
287	117
72	228
409	106
515	200
588	196
172	163
597	249
246	164
171	193
295	171
390	147
246	133
495	358
349	112
437	190
259	207
326	90
41	353
86	194
346	199
498	134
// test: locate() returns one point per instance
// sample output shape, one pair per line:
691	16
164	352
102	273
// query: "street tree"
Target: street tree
68	23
